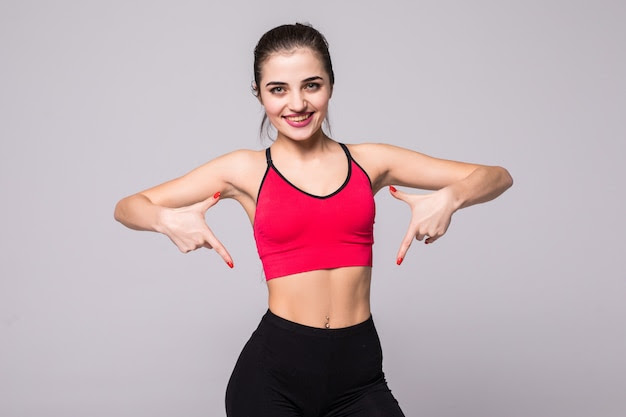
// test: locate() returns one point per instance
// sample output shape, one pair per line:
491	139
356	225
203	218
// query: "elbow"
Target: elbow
118	212
505	178
508	178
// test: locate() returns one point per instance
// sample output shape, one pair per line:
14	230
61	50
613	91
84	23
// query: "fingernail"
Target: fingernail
393	190
230	264
399	261
426	242
216	196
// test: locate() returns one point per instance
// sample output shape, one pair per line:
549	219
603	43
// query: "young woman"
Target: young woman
311	203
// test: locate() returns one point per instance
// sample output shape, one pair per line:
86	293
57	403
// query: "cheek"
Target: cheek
271	106
321	102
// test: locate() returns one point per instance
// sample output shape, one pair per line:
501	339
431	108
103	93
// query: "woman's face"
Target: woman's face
295	90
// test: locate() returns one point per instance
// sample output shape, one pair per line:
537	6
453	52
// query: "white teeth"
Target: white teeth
299	118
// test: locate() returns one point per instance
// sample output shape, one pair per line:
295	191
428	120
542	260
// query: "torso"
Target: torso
330	298
341	294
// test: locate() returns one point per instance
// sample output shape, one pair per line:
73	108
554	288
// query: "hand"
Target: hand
187	228
430	217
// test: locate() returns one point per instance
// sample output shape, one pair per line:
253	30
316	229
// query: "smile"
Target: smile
299	120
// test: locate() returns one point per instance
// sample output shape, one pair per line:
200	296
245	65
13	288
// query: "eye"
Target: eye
277	90
312	86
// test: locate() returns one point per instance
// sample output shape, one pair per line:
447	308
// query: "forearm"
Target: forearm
484	184
139	213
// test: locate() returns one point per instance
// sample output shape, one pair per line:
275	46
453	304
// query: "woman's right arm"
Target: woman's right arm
176	208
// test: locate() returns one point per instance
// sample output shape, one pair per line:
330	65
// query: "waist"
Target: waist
294	327
330	298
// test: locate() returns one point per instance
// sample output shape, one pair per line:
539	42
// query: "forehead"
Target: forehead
294	65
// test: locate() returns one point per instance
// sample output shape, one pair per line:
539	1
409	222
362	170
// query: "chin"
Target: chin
300	135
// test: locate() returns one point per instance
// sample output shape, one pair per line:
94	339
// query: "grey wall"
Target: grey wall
517	312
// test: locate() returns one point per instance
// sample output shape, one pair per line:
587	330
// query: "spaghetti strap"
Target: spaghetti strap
350	158
345	149
268	156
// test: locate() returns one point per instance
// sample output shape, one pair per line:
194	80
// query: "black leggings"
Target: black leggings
287	369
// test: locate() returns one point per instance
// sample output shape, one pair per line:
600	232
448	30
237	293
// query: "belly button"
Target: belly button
327	325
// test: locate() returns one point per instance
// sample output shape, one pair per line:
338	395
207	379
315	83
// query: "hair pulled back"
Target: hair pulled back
286	38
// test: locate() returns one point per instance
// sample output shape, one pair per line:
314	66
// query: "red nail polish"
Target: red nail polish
393	190
230	264
399	261
217	195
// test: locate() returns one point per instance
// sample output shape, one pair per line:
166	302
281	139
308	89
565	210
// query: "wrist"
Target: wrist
161	219
454	196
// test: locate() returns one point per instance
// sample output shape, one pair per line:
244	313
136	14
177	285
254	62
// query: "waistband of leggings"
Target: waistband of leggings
274	320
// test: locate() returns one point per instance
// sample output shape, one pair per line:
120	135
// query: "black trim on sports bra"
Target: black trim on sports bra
268	156
345	148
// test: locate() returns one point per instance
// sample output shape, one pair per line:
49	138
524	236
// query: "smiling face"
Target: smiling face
295	90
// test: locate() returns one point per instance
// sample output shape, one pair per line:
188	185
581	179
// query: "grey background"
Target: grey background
518	311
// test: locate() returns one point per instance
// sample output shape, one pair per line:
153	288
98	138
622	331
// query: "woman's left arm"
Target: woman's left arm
455	184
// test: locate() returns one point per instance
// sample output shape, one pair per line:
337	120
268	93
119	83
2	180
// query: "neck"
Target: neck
318	142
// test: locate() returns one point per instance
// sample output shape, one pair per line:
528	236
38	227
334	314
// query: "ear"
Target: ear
256	92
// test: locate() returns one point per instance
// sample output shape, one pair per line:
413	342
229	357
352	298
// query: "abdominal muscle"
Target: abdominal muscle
328	298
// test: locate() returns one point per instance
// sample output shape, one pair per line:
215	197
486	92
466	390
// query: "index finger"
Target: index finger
405	245
219	248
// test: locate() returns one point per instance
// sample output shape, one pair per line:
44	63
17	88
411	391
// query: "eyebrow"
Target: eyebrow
306	80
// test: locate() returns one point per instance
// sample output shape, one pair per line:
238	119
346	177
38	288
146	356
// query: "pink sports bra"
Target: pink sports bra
297	232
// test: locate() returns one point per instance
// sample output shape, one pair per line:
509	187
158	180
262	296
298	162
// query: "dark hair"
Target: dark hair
286	38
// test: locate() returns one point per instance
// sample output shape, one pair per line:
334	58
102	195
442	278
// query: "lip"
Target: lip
301	123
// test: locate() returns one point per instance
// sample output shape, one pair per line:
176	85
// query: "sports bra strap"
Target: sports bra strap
345	149
268	156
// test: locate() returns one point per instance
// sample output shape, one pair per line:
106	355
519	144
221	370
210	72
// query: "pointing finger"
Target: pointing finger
405	245
213	243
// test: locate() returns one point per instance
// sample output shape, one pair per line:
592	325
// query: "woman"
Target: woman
310	200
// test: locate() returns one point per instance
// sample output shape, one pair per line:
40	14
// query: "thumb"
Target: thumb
400	195
204	205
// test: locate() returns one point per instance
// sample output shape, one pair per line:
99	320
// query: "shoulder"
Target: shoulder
236	170
238	167
374	152
363	155
242	171
242	156
374	158
370	148
237	161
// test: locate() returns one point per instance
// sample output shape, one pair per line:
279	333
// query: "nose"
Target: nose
297	102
